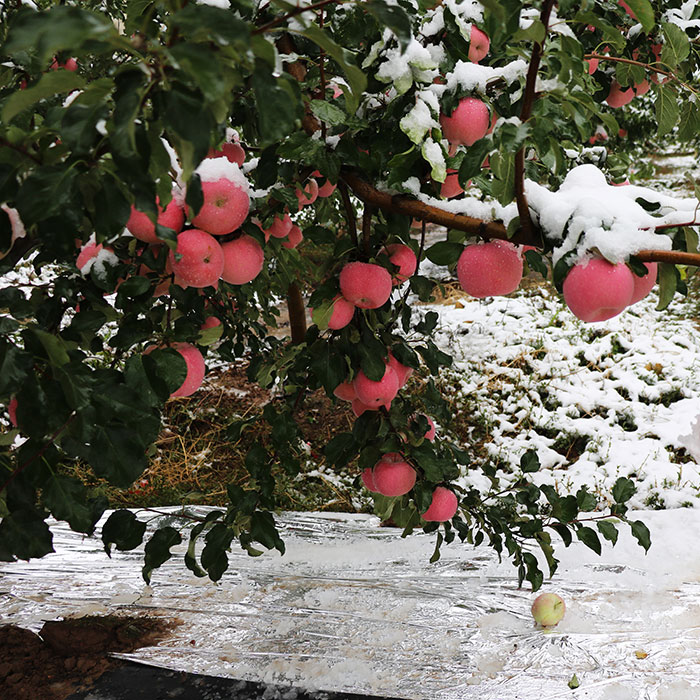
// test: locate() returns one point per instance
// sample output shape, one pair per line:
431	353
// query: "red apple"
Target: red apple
202	259
643	285
141	227
597	290
478	45
468	123
376	393
402	256
393	476
243	260
619	97
365	285
490	269
443	506
294	238
345	391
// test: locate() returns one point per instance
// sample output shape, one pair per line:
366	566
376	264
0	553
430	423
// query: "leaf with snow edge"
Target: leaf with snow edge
432	152
392	16
668	283
641	533
667	110
418	122
676	48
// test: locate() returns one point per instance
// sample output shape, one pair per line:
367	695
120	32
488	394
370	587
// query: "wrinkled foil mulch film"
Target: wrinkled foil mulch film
352	607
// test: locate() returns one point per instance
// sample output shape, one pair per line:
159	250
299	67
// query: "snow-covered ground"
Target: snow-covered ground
597	401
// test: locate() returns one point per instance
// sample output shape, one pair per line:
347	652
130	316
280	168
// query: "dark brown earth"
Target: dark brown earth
69	655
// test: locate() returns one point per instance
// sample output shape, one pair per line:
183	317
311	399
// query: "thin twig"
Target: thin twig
367	227
350	213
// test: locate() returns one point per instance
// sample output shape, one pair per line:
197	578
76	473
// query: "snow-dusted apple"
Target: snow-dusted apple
141	227
243	260
490	269
596	290
548	609
442	507
365	285
404	258
376	393
479	44
198	260
226	199
468	123
393	476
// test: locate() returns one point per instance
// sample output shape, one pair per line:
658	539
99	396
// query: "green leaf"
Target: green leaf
55	82
124	530
54	346
589	537
436	553
328	112
608	530
444	252
676	48
341	449
215	553
25	534
66	498
357	80
641	533
277	108
623	490
530	462
573	682
157	550
668	282
264	531
392	16
329	366
644	13
667	110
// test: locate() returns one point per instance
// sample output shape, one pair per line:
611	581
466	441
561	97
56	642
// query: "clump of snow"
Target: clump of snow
222	4
213	169
586	213
470	77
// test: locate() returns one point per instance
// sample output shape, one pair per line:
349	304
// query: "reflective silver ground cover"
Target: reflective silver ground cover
352	607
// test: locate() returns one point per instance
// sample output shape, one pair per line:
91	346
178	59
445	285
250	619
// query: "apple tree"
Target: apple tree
171	170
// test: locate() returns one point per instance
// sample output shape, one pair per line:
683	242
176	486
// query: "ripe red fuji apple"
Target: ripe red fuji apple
368	480
490	269
327	188
234	152
442	507
402	372
468	123
376	394
592	65
210	322
17	227
71	64
366	285
309	194
619	97
294	238
402	256
641	88
226	200
597	290
643	285
451	187
393	476
548	609
358	408
12	410
195	369
279	228
202	260
479	43
243	260
345	391
342	314
141	227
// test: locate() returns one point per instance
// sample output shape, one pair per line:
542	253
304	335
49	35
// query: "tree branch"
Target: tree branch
525	113
297	313
675	257
350	213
